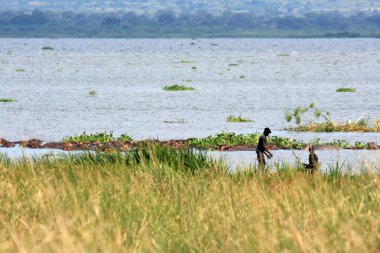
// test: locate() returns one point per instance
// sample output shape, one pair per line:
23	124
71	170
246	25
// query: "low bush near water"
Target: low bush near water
161	200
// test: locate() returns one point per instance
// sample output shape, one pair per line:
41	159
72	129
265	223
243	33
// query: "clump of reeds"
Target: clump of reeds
92	93
161	200
177	87
237	119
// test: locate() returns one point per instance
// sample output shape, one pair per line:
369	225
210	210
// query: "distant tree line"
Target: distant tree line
166	23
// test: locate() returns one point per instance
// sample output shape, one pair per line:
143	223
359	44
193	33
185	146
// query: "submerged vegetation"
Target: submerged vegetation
92	93
237	119
20	70
346	89
158	199
97	137
47	48
187	62
7	100
177	87
305	118
177	121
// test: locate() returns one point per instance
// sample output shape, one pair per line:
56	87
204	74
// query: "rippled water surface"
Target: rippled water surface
268	77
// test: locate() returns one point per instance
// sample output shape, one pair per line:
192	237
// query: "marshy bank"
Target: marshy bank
221	141
166	200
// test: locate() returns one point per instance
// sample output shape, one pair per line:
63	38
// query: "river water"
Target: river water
259	79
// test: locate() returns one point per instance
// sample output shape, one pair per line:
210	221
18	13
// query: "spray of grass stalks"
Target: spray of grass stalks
305	118
155	199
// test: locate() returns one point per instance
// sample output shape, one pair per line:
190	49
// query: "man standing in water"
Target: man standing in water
262	148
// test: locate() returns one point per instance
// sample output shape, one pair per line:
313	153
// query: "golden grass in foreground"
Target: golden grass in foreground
109	205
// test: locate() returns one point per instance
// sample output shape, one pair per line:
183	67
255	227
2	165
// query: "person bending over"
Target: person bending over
313	161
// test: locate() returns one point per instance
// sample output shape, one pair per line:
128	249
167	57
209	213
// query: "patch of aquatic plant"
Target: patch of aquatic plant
361	145
186	62
340	143
101	137
225	139
177	87
194	68
86	138
242	76
20	70
237	119
306	119
7	100
47	48
283	55
233	64
286	143
346	89
233	139
177	121
125	138
92	93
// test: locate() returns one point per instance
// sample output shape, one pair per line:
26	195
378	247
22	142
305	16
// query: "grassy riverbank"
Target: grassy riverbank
161	200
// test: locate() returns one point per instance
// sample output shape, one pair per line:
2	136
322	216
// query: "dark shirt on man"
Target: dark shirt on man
261	147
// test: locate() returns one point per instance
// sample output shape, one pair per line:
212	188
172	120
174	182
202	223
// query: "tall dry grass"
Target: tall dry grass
160	200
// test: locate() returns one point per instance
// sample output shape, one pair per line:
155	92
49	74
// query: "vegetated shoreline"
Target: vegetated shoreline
164	200
218	142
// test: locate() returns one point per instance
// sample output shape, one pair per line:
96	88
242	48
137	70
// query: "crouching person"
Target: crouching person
313	165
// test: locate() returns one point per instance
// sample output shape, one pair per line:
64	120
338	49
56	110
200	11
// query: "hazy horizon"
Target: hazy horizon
263	7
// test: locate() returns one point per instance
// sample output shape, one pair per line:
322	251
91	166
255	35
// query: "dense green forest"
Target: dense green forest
168	24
